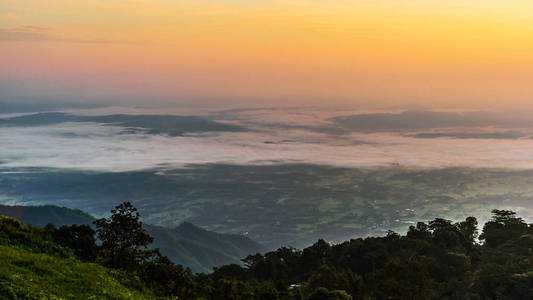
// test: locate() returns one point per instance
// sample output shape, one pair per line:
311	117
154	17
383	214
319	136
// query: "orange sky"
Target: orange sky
394	52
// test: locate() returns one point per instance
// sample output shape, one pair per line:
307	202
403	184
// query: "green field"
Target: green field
281	204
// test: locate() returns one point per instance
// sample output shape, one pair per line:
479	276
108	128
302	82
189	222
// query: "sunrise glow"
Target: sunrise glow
395	52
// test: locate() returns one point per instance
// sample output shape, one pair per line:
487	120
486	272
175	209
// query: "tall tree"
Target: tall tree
124	242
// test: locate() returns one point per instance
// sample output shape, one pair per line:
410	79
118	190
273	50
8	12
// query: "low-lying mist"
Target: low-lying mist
265	136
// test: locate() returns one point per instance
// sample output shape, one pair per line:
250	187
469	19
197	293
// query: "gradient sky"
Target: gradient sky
456	53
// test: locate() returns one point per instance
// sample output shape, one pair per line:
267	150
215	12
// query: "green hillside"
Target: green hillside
435	260
187	244
32	267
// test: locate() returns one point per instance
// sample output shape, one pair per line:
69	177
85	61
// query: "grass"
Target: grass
31	267
27	275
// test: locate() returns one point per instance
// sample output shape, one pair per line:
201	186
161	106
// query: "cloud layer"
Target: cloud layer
98	146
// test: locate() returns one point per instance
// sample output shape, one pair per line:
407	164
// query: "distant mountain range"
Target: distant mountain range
152	124
186	244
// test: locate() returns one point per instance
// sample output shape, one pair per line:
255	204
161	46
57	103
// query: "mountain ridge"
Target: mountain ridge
186	244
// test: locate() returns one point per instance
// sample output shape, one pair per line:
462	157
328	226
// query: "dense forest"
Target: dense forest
435	260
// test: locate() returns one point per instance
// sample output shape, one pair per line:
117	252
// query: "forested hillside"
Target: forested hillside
435	260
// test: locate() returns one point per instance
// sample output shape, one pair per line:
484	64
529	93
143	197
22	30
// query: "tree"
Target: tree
124	242
421	231
166	278
323	294
503	226
79	238
330	278
401	279
315	256
445	233
469	230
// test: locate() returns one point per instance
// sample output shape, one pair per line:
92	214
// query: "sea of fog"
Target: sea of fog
272	136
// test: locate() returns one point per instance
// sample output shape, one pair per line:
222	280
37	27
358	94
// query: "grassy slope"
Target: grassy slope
33	268
28	275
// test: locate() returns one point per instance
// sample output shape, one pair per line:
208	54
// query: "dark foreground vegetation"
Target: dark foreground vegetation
435	260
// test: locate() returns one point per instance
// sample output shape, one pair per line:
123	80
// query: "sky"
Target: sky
394	53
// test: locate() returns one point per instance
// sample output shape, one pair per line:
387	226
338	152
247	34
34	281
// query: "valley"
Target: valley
280	205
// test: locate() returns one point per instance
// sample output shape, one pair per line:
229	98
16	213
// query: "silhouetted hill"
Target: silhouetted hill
425	119
42	215
152	124
187	244
200	249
